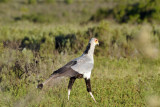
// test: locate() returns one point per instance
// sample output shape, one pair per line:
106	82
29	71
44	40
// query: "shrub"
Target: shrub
49	1
32	43
67	42
68	1
32	1
4	1
36	18
1	48
137	12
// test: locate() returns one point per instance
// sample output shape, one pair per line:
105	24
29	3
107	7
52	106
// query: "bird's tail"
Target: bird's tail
40	86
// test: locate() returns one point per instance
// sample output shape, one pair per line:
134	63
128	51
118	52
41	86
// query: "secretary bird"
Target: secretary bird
80	67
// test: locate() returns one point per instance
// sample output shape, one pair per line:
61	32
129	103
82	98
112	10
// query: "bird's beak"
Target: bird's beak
97	43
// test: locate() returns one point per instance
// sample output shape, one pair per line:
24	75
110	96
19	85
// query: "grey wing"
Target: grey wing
66	70
84	65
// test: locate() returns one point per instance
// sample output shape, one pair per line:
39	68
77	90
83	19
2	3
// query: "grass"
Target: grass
126	71
123	82
116	81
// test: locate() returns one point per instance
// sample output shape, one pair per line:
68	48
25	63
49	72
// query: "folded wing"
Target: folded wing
66	70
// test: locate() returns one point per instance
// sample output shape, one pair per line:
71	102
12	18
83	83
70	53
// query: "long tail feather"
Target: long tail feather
40	86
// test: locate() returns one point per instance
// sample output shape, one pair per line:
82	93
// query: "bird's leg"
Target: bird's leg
88	85
71	82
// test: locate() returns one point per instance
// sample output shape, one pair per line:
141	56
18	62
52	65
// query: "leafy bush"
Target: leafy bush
36	18
32	43
32	1
68	1
49	1
4	1
65	42
115	42
138	12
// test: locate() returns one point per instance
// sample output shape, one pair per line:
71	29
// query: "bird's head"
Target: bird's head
90	47
94	41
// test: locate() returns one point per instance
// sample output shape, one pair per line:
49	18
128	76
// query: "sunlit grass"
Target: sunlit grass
122	75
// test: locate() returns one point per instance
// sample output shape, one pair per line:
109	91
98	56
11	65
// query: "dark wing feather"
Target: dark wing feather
66	70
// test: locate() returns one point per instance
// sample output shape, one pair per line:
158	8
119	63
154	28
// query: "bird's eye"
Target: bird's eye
96	40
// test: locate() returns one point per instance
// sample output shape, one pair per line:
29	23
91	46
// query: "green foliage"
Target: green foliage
1	48
36	18
4	1
138	12
109	89
50	1
101	14
32	43
114	42
126	69
69	1
48	46
65	42
32	1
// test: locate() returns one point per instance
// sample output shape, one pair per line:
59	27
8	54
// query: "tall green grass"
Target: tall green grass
126	71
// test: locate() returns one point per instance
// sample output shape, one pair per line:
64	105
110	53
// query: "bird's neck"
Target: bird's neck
89	50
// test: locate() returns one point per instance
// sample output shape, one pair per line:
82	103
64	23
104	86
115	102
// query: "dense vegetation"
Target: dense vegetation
35	42
138	12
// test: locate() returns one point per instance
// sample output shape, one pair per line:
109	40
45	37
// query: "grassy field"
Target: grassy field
123	82
35	43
